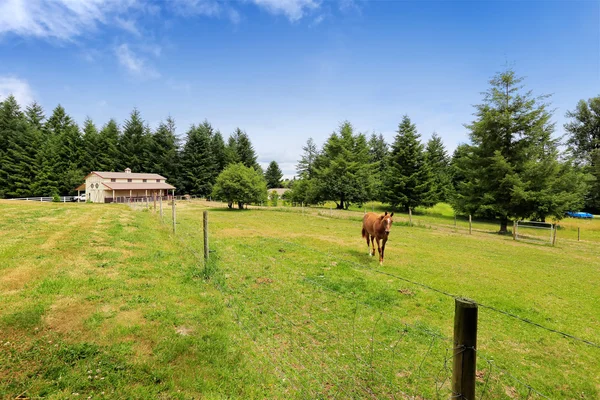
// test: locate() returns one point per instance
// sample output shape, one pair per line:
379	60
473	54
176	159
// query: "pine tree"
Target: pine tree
273	175
438	162
583	132
342	171
244	149
305	167
164	149
197	165
91	147
61	156
219	153
511	169
408	181
134	144
231	153
378	155
19	149
109	157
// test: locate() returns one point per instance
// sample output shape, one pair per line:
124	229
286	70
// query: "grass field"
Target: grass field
104	301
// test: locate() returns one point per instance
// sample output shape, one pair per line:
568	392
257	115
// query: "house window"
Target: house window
144	180
158	180
128	180
113	180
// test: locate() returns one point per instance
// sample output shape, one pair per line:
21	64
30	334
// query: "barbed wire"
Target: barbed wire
439	383
429	287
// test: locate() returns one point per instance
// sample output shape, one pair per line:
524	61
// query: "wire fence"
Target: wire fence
323	342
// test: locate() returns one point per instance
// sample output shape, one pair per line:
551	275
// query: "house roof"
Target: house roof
126	175
138	185
80	187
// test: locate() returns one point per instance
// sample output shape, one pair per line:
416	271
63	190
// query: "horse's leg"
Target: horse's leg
378	249
382	250
372	252
368	246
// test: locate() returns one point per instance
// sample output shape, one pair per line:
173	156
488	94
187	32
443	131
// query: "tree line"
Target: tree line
42	156
512	166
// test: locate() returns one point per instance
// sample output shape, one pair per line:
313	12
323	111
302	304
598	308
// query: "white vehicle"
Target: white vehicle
79	198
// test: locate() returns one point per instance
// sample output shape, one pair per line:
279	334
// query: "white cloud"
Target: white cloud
18	88
293	9
189	8
58	19
128	25
135	65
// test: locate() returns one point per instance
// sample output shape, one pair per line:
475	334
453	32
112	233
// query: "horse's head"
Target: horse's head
387	222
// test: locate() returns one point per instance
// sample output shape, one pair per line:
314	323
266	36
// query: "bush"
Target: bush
55	198
274	198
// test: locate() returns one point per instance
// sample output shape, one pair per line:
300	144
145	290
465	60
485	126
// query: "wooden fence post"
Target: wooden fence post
409	216
470	225
554	236
465	345
160	207
174	214
205	224
515	230
455	222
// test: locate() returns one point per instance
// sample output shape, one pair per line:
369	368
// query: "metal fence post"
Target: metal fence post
160	207
465	345
578	234
470	225
409	216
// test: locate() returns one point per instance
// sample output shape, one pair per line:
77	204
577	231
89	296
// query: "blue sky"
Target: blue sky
288	70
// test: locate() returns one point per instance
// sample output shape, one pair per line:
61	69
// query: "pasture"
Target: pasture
290	305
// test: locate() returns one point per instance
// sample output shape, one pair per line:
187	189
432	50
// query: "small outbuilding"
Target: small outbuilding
109	187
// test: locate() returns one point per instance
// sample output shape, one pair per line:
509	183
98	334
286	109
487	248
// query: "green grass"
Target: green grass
308	294
104	301
101	301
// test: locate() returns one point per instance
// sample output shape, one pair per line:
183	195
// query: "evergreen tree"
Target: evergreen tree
218	151
306	165
109	157
197	165
244	149
408	181
35	116
342	171
583	132
91	147
273	175
231	153
134	144
164	146
18	150
61	156
438	162
378	155
511	169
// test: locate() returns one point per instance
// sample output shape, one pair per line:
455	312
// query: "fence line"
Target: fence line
454	296
439	383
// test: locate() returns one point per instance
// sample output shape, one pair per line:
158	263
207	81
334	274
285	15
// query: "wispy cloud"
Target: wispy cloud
58	19
17	87
134	64
294	10
128	25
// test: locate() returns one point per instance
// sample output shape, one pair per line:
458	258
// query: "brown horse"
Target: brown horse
377	227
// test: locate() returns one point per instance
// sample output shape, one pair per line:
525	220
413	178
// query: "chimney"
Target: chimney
127	170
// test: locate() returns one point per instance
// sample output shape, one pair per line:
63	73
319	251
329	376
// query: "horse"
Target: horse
377	227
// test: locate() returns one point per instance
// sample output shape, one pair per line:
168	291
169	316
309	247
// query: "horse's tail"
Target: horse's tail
364	232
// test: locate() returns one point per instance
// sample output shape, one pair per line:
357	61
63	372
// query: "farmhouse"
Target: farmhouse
109	187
